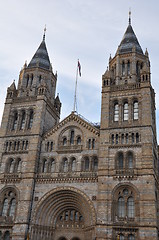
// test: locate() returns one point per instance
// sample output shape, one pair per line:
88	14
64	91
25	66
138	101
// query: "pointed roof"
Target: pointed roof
129	42
12	86
41	57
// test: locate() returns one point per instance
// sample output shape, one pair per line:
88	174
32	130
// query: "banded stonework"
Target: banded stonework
71	179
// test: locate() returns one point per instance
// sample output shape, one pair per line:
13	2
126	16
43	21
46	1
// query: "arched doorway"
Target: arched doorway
64	214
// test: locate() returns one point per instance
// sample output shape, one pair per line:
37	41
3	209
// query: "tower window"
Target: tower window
7	235
136	110
128	68
112	138
120	160
95	164
126	111
8	205
44	166
121	207
116	112
22	121
131	237
130	160
52	167
137	138
122	139
86	164
12	207
123	69
130	207
27	81
32	77
30	119
65	165
15	121
73	165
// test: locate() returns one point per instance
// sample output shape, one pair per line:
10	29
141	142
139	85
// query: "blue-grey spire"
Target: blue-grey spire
41	57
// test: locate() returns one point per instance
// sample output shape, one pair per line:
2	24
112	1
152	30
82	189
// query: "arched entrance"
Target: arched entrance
64	214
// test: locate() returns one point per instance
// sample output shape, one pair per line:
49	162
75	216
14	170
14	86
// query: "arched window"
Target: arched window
121	207
51	146
93	143
11	166
136	110
32	77
137	68
127	138
123	69
112	138
116	139
130	207
126	111
86	164
5	207
30	119
95	164
15	121
8	207
12	207
73	165
137	138
47	146
44	166
18	165
131	237
89	143
65	165
7	235
121	237
64	141
133	137
22	121
120	160
79	140
128	68
125	204
52	165
72	137
122	139
130	160
116	112
40	79
27	81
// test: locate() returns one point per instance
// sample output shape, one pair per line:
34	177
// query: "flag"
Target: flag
79	68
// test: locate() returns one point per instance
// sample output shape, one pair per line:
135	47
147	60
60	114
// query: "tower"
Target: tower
128	157
30	110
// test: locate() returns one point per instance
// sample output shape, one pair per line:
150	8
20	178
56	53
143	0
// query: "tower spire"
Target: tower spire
129	16
44	33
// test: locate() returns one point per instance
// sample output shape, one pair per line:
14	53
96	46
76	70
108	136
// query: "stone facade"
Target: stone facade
70	179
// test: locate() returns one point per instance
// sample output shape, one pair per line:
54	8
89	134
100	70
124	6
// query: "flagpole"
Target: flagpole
75	96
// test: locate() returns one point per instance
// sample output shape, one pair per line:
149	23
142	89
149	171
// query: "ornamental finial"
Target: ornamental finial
44	33
129	16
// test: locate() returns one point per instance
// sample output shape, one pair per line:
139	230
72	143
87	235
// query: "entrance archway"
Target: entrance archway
64	214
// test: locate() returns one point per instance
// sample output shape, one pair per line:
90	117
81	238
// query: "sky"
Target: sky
88	30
